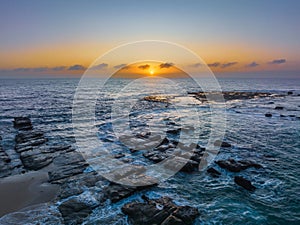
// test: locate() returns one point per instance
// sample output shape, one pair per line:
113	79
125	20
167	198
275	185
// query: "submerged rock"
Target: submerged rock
268	115
159	211
213	172
241	181
279	108
22	123
223	144
237	166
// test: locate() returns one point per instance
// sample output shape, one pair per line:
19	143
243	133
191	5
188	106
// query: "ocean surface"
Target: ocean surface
272	142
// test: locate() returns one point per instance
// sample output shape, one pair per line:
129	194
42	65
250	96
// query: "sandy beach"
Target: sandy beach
20	191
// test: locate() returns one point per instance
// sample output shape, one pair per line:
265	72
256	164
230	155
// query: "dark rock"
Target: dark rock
115	192
119	155
279	108
67	165
237	166
244	183
23	137
160	211
223	144
74	210
35	161
61	148
174	132
230	95
124	171
289	92
22	123
77	184
213	172
182	164
5	167
268	115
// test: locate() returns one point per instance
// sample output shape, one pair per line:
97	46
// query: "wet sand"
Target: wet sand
20	191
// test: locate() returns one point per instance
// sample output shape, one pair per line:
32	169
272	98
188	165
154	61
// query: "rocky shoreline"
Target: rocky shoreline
82	190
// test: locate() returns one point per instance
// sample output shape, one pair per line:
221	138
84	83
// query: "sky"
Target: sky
63	38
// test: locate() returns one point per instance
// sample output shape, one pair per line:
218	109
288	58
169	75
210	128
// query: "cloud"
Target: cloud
253	64
225	65
76	67
278	61
59	68
21	69
144	67
196	65
119	66
40	69
166	65
216	64
100	66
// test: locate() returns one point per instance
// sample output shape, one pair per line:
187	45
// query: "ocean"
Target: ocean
273	142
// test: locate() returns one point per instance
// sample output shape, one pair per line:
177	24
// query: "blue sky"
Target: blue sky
219	31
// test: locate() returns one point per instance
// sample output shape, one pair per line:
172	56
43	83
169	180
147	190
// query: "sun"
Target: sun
151	72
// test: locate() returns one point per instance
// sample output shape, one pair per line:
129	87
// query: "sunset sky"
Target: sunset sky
62	38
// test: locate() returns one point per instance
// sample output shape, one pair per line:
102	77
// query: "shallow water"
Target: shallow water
272	142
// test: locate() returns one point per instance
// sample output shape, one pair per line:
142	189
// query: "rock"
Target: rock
182	164
244	183
24	136
289	92
22	123
223	144
116	192
30	144
76	208
67	165
268	115
230	95
191	154
279	108
79	183
124	171
159	211
155	156
237	166
213	172
174	132
119	155
5	167
42	214
35	161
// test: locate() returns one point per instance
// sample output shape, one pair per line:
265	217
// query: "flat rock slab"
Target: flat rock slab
22	123
159	211
237	166
241	181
